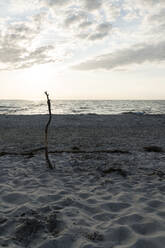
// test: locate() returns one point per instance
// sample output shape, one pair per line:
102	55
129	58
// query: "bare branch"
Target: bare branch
46	133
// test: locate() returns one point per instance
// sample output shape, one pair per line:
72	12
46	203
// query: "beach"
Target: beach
107	188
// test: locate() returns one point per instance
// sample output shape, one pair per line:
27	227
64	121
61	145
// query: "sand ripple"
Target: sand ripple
75	208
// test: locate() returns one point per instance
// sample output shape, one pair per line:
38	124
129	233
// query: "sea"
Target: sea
63	107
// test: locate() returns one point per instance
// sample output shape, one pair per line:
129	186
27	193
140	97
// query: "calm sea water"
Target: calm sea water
22	107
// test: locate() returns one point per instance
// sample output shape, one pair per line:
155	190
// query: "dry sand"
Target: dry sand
107	189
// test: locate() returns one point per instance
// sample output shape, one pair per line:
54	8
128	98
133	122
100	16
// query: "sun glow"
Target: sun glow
36	80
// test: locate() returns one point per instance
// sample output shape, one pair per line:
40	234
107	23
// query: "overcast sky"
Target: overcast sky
82	49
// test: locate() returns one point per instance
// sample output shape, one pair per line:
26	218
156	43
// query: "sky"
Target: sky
82	49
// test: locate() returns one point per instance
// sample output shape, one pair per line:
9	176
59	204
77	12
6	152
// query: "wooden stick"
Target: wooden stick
46	133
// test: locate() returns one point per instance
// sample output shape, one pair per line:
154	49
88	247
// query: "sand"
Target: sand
107	188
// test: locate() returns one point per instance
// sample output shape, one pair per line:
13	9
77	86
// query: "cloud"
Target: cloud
17	44
144	4
75	17
158	17
24	6
17	58
22	33
61	25
84	24
102	30
55	3
150	2
134	55
141	8
43	30
112	11
155	22
92	4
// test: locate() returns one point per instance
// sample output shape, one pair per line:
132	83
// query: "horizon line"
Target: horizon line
77	99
